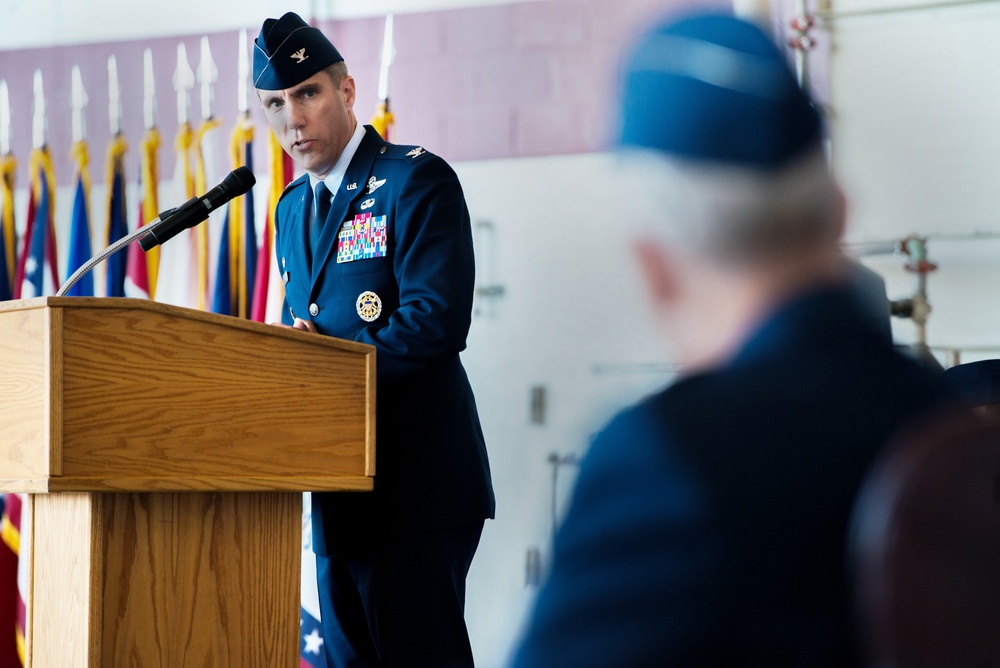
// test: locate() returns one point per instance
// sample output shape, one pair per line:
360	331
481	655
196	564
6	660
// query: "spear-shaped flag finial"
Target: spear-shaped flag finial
148	91
78	103
183	84
242	74
4	119
208	73
38	127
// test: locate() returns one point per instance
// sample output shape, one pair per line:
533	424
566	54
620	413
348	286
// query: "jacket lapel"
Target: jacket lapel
357	172
295	231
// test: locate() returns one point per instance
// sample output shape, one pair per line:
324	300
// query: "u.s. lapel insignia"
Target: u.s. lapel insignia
368	203
369	306
415	152
374	185
352	186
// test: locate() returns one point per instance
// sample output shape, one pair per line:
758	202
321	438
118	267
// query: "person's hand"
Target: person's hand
300	324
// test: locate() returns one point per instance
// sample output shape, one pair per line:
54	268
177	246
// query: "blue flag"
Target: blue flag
79	240
117	228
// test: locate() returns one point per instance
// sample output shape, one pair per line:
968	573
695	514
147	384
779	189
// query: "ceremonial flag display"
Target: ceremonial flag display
237	260
267	301
117	226
8	230
79	227
38	270
143	267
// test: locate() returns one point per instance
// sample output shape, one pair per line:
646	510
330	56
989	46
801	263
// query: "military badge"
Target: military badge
363	238
369	306
368	203
415	152
374	185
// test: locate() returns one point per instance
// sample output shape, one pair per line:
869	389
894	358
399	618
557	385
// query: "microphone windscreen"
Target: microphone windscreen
239	181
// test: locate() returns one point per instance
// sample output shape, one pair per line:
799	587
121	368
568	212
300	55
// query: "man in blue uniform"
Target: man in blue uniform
374	245
708	523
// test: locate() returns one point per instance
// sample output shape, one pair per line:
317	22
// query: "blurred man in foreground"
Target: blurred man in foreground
708	523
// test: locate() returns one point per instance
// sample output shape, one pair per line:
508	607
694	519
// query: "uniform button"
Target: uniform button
382	150
313	310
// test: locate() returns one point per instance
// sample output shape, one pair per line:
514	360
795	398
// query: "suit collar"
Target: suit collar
295	224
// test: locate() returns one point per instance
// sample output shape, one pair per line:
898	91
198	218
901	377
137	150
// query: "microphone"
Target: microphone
196	209
169	223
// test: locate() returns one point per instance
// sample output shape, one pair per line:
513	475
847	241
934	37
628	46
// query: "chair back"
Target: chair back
925	547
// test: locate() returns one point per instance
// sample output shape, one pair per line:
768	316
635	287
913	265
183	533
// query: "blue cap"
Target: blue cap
978	382
288	51
713	87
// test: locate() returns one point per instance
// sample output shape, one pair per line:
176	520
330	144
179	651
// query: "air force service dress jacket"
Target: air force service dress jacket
394	268
708	523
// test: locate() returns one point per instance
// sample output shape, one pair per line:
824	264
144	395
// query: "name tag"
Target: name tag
363	238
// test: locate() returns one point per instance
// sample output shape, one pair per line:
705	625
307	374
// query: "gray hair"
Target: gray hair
733	214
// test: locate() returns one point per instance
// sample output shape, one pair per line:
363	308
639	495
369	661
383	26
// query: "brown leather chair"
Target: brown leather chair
925	547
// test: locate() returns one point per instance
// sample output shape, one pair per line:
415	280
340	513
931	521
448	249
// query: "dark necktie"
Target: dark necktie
322	199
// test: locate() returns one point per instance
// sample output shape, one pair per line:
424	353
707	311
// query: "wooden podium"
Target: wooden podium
164	451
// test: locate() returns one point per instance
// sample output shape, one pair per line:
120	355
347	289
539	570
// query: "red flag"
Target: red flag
38	269
12	609
142	267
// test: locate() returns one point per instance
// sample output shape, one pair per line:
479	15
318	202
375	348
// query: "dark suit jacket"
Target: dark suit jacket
398	229
708	523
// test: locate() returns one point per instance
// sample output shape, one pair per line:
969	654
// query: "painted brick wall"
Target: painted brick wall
503	81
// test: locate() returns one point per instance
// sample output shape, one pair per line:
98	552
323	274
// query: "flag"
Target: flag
267	302
205	162
311	654
79	230
142	267
12	608
177	281
383	119
237	260
38	269
8	230
117	217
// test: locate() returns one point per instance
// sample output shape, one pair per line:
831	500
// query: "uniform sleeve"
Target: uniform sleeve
435	270
633	563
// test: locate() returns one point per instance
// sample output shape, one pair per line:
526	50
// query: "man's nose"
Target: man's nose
296	117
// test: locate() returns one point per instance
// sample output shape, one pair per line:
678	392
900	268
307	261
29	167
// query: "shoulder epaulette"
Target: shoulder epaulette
292	184
403	152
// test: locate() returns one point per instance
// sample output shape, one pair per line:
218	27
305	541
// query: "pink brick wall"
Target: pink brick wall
504	81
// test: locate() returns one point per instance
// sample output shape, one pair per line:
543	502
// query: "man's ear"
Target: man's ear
347	87
657	269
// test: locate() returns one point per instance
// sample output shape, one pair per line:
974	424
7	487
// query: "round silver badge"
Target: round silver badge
369	306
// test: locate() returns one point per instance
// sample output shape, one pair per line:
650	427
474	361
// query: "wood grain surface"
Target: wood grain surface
166	580
147	396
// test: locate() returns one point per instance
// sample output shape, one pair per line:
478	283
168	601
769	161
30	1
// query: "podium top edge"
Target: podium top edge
182	312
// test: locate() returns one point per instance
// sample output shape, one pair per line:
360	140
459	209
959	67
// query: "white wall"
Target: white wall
572	319
914	107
